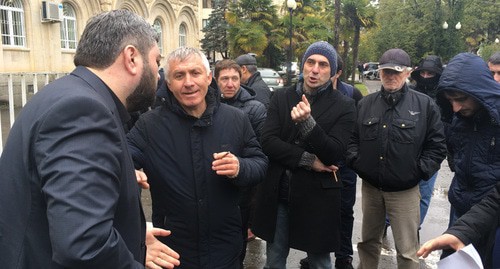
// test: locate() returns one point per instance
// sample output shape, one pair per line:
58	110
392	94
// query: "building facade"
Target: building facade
35	38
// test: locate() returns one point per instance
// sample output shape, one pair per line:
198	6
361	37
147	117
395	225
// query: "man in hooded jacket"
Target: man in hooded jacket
426	76
469	98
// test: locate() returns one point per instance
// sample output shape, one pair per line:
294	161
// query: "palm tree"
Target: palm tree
252	23
359	14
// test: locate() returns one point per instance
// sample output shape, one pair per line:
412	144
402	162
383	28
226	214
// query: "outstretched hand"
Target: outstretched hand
441	242
159	255
142	179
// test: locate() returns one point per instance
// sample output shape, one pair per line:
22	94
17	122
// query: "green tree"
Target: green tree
481	25
313	22
358	15
215	39
252	24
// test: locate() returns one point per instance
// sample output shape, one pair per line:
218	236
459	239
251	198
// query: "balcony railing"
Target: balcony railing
15	90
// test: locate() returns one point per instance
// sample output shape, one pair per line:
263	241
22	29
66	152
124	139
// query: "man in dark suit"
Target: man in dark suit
69	196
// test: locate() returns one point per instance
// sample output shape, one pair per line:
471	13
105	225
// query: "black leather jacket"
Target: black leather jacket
394	147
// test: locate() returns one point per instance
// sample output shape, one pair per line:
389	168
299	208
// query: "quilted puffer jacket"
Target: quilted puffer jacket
473	141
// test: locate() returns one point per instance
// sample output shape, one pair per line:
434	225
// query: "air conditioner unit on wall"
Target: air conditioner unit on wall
52	12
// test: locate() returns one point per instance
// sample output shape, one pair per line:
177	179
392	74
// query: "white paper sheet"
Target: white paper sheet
466	258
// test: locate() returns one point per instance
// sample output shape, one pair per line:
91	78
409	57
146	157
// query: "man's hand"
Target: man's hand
441	242
301	111
142	179
159	255
226	164
318	166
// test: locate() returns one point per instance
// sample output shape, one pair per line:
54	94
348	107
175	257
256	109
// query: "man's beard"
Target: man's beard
144	94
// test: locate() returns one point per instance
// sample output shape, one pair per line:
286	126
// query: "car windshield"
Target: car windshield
268	73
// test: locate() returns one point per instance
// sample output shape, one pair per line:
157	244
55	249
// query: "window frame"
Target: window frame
69	36
182	35
14	23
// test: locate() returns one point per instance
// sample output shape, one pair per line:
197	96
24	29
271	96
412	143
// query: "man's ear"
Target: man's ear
244	69
210	77
131	57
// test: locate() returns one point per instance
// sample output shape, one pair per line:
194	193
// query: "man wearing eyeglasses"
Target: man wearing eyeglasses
398	140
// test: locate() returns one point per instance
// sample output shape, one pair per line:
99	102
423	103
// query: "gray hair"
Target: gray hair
251	68
108	33
181	54
495	58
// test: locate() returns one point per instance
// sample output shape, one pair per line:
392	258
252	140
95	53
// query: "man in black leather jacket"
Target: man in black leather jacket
398	140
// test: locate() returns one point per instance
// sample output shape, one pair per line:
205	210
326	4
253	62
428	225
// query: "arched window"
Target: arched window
68	27
159	29
12	19
182	35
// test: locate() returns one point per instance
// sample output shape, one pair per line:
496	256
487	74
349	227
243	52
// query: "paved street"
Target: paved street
435	223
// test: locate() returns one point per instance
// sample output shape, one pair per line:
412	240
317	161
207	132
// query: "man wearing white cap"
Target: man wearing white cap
398	139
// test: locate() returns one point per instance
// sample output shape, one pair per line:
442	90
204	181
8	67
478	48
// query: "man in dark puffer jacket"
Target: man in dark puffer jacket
197	153
227	74
469	98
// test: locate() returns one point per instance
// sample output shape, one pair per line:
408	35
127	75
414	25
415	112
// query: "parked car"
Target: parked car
371	71
273	80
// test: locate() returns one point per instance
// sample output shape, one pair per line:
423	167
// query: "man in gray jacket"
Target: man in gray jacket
251	77
398	139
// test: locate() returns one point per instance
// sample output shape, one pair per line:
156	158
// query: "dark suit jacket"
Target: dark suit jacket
68	192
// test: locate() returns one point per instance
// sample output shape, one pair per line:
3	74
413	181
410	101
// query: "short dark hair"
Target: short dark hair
226	64
340	64
108	33
495	58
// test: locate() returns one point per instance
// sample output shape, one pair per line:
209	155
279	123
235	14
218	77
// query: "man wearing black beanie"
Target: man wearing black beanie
305	137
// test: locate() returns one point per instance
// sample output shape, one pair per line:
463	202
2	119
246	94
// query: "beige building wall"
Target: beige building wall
43	53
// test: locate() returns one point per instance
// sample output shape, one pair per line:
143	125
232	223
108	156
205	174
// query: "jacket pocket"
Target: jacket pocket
403	131
369	128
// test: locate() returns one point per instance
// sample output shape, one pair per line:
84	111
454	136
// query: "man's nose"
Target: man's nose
315	68
456	106
497	77
189	79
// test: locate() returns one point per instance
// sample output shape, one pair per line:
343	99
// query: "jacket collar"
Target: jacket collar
108	96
